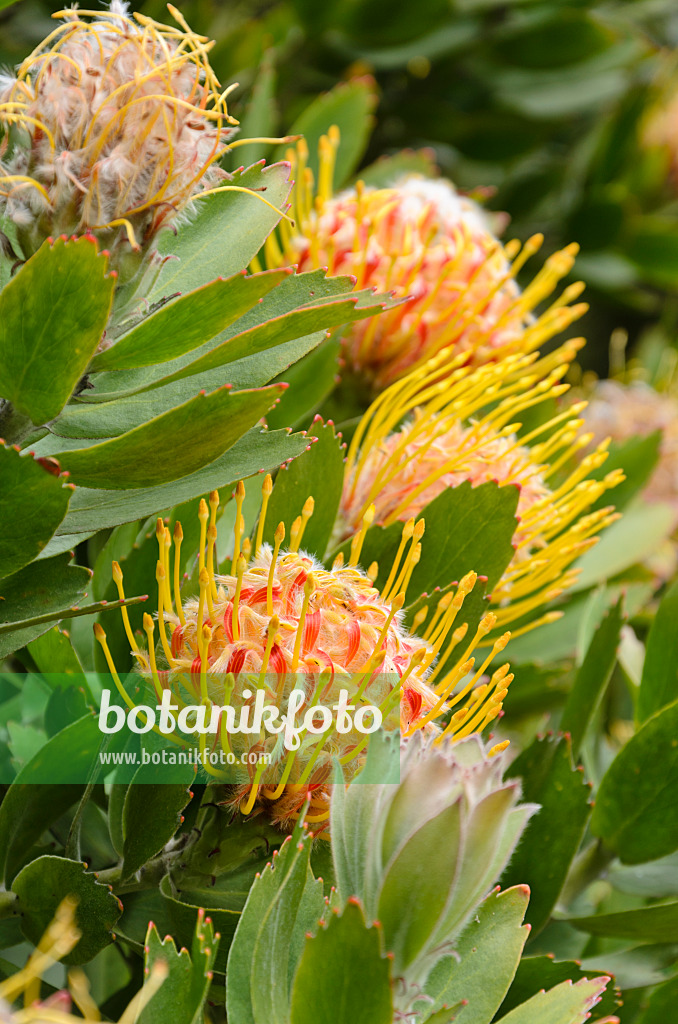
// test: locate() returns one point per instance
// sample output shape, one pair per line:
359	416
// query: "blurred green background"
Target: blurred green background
543	104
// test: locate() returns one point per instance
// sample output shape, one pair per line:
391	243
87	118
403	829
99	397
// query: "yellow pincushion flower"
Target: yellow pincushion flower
448	423
114	124
433	247
281	621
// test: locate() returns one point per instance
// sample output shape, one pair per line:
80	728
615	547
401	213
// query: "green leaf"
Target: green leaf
484	523
152	812
110	419
564	1004
638	457
630	540
486	957
64	707
635	813
32	802
536	973
257	451
658	923
310	381
44	883
356	985
556	830
410	913
43	500
182	995
318	473
193	435
226	233
294	292
54	652
184	325
593	676
283	901
53	313
653	247
565	37
349	106
43	588
298	323
661	1004
659	682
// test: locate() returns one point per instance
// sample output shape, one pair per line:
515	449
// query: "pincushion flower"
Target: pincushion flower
622	411
434	247
113	125
281	621
448	423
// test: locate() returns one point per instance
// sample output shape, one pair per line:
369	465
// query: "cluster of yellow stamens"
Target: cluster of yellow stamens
117	123
462	423
278	621
433	247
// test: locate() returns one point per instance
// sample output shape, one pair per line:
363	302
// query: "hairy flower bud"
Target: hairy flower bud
450	800
112	125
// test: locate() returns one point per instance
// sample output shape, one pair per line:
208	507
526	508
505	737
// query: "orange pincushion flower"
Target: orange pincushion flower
433	247
282	622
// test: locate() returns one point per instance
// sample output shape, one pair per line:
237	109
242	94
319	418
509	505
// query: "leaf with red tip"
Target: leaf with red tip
486	957
36	596
173	444
53	314
564	1004
536	973
283	904
45	882
556	830
226	231
181	997
183	325
356	977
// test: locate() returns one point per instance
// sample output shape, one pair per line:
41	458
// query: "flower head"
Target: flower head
432	246
448	423
112	125
622	411
278	621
